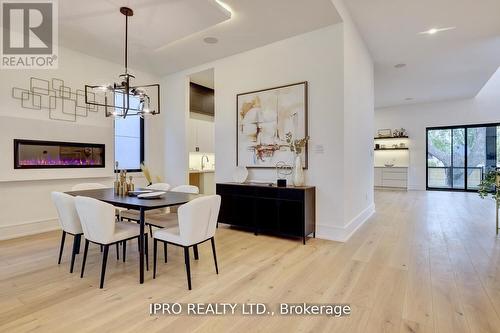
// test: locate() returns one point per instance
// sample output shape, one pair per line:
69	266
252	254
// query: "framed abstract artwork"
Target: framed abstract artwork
264	118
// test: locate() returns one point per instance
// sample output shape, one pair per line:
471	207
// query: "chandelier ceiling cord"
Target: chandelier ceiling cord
122	99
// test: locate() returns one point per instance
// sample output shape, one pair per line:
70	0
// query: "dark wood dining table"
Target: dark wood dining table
142	205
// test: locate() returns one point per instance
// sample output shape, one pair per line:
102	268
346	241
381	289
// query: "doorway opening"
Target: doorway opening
201	131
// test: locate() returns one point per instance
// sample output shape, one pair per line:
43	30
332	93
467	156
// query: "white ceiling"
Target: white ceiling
166	36
448	65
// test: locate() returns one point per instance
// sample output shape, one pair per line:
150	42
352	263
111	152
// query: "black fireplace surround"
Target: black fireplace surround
37	154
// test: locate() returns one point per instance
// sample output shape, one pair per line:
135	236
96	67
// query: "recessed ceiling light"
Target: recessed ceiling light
409	99
400	65
210	40
434	31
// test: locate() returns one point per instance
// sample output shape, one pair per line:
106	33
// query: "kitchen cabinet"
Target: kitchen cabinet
201	134
201	99
391	177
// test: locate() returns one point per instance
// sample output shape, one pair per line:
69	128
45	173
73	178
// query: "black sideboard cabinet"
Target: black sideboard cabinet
286	211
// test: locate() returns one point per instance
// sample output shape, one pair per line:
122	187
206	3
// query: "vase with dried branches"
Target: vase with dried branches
296	146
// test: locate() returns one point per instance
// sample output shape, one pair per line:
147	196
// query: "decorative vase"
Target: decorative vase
298	172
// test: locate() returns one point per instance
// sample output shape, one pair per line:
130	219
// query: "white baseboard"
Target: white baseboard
28	228
342	234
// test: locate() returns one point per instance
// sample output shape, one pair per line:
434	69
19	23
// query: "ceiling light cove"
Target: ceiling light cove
224	6
434	31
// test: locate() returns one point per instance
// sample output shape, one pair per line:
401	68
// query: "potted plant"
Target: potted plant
490	187
296	146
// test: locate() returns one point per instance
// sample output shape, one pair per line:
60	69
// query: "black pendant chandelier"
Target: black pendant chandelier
122	99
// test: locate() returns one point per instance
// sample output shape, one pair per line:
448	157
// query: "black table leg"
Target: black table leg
195	250
141	246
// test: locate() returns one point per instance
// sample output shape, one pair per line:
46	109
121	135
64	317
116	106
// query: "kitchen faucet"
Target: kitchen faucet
203	160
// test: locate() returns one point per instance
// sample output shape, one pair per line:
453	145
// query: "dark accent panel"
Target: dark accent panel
201	99
286	211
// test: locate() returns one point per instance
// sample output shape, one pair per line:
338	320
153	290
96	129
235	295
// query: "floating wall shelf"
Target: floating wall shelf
392	138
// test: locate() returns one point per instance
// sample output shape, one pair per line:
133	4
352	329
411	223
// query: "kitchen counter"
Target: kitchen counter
204	179
202	171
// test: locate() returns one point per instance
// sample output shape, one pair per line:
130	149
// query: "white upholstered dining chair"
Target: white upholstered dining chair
197	224
100	227
87	186
69	222
169	219
97	186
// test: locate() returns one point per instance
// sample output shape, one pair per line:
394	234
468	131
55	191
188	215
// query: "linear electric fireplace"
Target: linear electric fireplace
34	154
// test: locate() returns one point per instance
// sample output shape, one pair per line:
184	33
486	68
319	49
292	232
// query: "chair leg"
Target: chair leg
117	252
85	250
76	246
104	261
146	251
195	250
150	231
63	237
101	248
215	255
124	249
165	251
78	241
155	247
188	268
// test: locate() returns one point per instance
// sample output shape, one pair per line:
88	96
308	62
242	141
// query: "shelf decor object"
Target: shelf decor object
264	117
283	171
384	133
399	133
123	99
36	154
240	175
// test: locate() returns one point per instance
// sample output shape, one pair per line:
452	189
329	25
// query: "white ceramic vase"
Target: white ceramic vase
298	172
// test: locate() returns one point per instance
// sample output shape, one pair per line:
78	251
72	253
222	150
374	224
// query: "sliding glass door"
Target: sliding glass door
459	156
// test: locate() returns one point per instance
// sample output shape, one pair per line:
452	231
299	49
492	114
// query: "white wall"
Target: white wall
25	205
415	118
358	126
316	57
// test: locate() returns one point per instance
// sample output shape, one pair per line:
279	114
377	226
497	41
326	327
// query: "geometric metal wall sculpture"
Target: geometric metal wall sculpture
61	102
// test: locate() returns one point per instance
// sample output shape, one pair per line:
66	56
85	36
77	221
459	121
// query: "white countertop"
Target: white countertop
392	167
202	171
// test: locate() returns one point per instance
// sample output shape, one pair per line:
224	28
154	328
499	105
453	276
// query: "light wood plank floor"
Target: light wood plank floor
426	262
